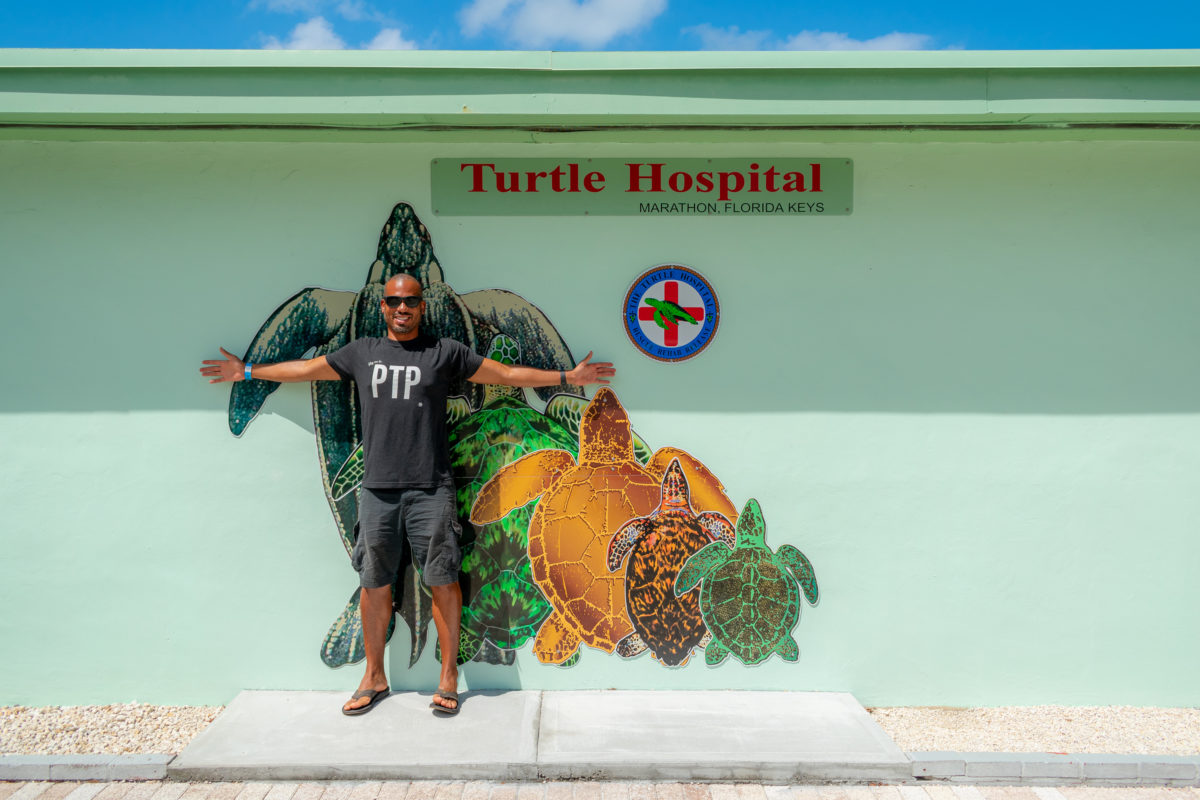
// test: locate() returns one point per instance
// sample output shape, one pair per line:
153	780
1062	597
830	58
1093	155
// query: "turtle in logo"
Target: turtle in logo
748	595
319	321
656	547
503	607
582	504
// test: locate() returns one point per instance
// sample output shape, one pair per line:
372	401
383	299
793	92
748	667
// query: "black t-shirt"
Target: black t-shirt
402	388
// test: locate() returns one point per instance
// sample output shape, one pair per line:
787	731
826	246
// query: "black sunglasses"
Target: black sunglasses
394	301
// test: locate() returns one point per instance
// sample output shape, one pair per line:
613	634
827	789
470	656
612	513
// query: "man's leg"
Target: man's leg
376	557
447	615
375	607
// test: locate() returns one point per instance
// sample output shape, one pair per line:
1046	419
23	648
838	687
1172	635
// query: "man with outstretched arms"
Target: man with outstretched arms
407	489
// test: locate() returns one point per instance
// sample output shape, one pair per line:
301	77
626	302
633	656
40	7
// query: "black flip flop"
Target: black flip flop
375	696
447	712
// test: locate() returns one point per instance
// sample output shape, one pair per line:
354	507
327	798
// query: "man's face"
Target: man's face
403	321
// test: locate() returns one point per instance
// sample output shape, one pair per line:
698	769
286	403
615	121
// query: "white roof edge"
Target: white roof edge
598	61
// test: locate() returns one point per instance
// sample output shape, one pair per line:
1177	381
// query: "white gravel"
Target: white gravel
139	728
110	730
1044	729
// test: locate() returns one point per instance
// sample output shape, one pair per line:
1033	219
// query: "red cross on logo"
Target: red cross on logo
671	295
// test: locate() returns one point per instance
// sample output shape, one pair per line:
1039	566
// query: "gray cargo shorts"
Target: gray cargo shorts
428	518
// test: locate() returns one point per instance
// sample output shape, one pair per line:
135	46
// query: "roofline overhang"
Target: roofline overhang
465	91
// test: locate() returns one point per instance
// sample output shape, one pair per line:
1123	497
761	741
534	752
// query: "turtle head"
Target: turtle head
676	495
751	527
405	248
604	434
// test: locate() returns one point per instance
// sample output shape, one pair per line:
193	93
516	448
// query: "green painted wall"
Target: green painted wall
974	404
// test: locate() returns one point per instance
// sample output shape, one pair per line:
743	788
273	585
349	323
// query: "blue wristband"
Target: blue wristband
246	373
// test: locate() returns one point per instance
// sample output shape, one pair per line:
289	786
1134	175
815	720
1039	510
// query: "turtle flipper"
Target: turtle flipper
349	476
707	492
344	642
717	527
802	568
310	318
491	654
457	409
788	649
623	541
470	641
555	642
699	565
715	653
541	344
631	646
519	482
414	604
641	450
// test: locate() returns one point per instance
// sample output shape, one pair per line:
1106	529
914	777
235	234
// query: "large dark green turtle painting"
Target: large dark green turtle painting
318	321
748	595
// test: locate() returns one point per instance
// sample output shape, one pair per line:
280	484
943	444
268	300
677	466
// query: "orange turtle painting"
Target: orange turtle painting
583	504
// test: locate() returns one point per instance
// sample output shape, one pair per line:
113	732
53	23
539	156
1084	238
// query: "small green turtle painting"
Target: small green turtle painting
748	595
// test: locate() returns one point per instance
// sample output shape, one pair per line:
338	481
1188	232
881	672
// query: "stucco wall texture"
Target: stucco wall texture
974	404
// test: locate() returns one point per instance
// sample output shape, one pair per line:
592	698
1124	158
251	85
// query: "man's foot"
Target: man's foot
365	698
445	701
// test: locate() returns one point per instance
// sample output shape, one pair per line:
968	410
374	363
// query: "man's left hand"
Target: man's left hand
586	372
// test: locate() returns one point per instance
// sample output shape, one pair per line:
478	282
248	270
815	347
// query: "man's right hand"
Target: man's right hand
230	368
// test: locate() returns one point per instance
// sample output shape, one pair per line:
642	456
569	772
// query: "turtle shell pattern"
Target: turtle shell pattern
749	597
573	523
657	546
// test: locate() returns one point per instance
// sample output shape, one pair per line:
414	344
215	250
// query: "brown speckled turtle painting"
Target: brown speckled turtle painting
656	547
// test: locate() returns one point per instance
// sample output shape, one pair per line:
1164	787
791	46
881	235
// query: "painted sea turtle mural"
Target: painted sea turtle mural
655	547
502	607
583	502
748	594
319	321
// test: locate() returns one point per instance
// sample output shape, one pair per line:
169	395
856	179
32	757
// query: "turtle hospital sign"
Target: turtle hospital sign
783	187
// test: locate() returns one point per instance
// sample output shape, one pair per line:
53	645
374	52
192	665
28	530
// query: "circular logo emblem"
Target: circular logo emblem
671	313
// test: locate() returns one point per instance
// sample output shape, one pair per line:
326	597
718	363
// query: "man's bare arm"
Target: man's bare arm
232	369
584	373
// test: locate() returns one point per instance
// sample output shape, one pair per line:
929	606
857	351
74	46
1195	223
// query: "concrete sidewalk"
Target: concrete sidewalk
752	738
778	737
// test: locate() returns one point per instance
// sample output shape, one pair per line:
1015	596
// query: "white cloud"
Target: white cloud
288	6
713	38
541	23
316	34
390	39
351	10
823	40
359	11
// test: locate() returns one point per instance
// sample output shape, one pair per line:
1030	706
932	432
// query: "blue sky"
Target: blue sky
602	24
